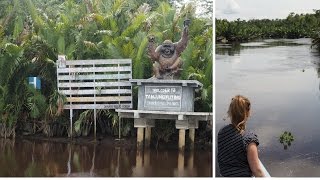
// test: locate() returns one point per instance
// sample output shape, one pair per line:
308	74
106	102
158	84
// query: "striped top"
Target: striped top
232	152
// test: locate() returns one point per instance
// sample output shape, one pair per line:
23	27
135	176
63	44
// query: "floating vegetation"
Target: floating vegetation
286	139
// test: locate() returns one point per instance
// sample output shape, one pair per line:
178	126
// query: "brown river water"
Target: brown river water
281	78
35	158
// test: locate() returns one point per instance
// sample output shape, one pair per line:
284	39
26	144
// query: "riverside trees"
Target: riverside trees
294	26
34	32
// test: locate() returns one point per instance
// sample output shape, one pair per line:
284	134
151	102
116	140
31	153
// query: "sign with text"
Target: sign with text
162	97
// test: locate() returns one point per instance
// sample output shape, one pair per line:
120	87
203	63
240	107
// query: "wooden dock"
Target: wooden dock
145	120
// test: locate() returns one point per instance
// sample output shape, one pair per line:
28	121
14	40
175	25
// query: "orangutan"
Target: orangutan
166	57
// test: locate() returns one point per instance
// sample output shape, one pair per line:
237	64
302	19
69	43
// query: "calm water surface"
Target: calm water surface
281	78
26	158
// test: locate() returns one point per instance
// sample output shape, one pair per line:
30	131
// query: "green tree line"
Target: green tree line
294	26
34	32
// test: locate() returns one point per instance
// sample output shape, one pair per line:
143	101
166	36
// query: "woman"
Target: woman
237	148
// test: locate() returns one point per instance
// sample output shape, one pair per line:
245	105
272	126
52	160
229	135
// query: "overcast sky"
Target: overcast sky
260	9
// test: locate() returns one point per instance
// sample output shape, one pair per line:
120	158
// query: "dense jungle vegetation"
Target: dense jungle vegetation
294	26
34	32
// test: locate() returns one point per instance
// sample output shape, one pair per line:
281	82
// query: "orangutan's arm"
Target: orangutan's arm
182	43
153	54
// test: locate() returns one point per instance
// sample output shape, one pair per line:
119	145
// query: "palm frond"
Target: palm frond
61	45
18	27
141	40
114	117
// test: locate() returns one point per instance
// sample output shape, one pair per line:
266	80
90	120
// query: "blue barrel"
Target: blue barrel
35	81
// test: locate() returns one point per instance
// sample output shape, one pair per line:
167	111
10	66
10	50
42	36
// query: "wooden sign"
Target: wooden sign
163	97
95	84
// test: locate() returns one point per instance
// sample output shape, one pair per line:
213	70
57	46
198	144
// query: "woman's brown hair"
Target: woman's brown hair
239	110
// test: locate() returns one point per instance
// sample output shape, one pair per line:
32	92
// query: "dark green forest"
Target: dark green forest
34	32
292	27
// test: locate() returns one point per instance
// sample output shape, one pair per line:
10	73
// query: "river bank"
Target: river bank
124	142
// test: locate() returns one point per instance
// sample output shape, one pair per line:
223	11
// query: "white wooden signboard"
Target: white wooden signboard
95	84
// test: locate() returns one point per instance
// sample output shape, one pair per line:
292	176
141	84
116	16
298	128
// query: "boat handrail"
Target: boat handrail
266	173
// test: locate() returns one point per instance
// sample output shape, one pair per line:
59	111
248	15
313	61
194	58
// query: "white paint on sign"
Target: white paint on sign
162	97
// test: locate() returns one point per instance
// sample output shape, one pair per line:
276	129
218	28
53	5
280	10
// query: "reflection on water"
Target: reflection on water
26	158
235	49
281	78
189	171
143	168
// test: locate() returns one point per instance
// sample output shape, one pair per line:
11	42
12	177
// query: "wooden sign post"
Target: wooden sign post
95	84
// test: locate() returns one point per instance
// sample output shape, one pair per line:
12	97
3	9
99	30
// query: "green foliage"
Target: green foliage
61	45
125	128
316	41
286	139
294	26
139	59
18	27
83	124
36	103
163	131
34	32
56	103
11	83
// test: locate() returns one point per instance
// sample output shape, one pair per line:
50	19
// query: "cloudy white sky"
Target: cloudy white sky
260	9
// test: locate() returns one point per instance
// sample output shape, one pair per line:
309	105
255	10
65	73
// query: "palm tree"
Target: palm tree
34	32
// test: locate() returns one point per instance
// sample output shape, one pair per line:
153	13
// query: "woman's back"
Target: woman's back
232	154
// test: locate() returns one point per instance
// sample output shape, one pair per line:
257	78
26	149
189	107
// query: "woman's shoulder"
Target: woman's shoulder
226	128
249	137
